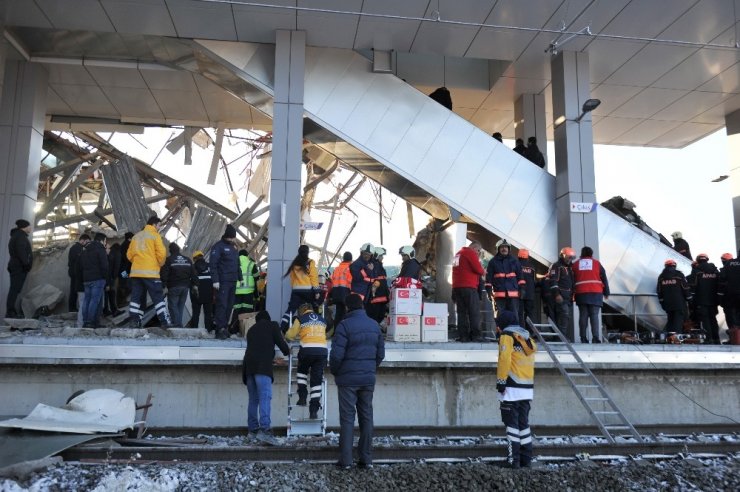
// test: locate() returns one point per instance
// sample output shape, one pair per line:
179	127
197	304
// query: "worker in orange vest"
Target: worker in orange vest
341	280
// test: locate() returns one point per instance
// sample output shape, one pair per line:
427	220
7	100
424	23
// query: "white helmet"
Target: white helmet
366	248
502	242
676	235
379	251
407	250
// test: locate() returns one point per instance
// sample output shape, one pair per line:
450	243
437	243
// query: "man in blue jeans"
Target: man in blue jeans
257	371
356	352
94	261
178	276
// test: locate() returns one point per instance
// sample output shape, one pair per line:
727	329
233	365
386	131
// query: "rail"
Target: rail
632	312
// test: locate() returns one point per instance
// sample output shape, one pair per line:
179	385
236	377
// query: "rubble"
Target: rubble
22	323
129	332
188	333
42	296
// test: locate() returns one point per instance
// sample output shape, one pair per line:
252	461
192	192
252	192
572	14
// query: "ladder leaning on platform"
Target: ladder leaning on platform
303	425
587	387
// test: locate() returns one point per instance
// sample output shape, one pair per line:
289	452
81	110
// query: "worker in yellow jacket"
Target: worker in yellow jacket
310	328
515	384
147	255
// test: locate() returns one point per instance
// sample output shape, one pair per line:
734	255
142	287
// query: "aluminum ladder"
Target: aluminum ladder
588	389
299	423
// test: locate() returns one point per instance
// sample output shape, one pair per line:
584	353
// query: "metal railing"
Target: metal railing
632	311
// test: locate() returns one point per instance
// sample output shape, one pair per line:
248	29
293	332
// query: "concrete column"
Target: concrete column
530	120
732	123
449	242
285	185
22	113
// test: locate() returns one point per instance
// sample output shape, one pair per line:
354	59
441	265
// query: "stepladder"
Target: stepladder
589	390
299	421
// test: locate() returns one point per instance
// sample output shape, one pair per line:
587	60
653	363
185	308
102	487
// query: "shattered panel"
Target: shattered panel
206	228
126	196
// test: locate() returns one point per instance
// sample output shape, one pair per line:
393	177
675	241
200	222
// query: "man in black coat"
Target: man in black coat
706	296
257	370
94	262
225	272
673	294
202	296
356	352
534	154
124	270
72	258
20	263
178	277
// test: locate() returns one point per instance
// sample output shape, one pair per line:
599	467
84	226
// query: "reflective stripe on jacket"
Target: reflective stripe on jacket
248	268
341	277
589	277
146	253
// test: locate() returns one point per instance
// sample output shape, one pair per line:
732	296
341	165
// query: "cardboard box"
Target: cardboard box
404	328
246	321
405	301
436	309
434	328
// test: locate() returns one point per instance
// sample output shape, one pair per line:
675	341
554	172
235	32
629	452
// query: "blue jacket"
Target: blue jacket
224	261
357	349
504	275
361	276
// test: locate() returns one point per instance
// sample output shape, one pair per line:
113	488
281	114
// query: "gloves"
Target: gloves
216	285
501	388
124	274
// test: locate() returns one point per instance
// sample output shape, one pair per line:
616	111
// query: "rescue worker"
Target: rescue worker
680	244
260	289
673	294
304	284
244	302
19	264
410	266
178	276
729	289
591	288
201	297
225	273
466	275
124	289
341	280
379	292
504	277
362	272
527	290
515	385
94	261
561	290
706	299
534	154
310	327
147	255
73	256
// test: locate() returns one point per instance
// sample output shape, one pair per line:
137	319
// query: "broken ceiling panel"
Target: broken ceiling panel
123	186
206	228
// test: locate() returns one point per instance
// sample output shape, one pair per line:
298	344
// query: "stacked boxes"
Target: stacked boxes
434	323
404	321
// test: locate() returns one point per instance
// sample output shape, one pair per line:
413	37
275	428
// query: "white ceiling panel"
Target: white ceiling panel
468	98
87	100
534	62
460	10
407	8
69	75
443	39
55	104
492	120
132	102
25	13
703	22
598	15
224	107
180	105
169	80
690	106
612	96
466	113
607	128
258	25
69	14
499	44
646	131
647	103
684	134
385	34
202	20
698	69
507	89
727	81
117	77
260	118
650	64
140	16
536	13
205	85
716	115
647	18
606	56
330	30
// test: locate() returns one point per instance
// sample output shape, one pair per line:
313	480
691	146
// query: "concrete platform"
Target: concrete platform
197	382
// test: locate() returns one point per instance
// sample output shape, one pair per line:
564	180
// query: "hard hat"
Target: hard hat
379	251
670	262
198	253
502	242
407	250
676	235
523	254
702	257
726	257
305	308
366	248
567	252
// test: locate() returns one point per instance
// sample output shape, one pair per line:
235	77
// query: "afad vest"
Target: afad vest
587	276
246	285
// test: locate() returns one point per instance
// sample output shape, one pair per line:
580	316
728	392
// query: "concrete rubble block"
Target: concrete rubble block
187	332
71	331
44	295
72	316
157	331
102	332
129	332
4	329
22	324
53	331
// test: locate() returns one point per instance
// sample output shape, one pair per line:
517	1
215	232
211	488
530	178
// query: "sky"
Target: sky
673	190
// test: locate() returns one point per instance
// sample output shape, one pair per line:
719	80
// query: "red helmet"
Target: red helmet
567	252
726	257
702	257
523	254
670	262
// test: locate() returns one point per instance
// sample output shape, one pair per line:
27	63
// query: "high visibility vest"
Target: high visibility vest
246	284
587	276
341	277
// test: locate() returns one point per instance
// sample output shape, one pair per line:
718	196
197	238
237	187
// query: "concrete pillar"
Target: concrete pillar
22	113
449	242
530	120
732	123
285	185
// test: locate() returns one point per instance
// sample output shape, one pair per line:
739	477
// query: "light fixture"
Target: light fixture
587	107
720	178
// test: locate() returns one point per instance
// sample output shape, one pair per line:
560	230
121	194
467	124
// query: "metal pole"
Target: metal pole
380	212
322	258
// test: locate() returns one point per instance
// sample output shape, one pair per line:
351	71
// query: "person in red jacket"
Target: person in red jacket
466	279
591	288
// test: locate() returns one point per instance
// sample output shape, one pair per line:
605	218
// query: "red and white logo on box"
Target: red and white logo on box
402	320
403	294
430	320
